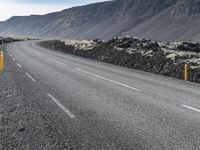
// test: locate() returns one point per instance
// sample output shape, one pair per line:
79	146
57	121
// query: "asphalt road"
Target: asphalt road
102	106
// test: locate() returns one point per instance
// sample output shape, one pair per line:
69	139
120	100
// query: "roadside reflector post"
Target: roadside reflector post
52	47
186	72
1	61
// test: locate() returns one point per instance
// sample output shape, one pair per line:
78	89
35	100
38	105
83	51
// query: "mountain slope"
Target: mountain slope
155	19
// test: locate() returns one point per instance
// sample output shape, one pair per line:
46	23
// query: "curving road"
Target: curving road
109	107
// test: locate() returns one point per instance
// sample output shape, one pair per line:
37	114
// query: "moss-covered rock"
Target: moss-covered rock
161	58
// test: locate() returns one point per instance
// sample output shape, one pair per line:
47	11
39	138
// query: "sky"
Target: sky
9	8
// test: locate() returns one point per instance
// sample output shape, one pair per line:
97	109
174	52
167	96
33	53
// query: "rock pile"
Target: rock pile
186	46
161	58
8	40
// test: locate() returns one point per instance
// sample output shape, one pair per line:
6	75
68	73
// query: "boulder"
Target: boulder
191	47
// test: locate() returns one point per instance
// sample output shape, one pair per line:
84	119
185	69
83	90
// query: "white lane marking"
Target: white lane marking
61	63
10	55
61	106
19	65
191	108
30	77
115	82
13	59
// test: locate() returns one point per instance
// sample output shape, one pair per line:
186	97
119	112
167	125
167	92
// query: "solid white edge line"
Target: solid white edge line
115	82
61	63
30	77
61	106
191	108
19	65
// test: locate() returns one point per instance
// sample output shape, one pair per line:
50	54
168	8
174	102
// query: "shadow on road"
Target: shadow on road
13	71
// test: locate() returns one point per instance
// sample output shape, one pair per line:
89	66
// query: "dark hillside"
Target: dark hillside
163	20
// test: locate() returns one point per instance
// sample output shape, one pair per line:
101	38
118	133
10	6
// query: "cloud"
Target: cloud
11	8
54	1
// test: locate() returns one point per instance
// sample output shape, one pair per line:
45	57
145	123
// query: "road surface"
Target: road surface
94	105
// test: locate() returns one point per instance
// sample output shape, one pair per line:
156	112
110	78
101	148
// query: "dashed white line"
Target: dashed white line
61	106
30	77
10	55
191	108
13	59
19	65
115	82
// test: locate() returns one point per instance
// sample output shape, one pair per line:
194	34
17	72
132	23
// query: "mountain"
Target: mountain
162	20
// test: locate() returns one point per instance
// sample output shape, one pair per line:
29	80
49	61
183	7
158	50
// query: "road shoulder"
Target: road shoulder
26	117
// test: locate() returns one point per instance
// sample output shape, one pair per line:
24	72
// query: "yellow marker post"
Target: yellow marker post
186	72
1	61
